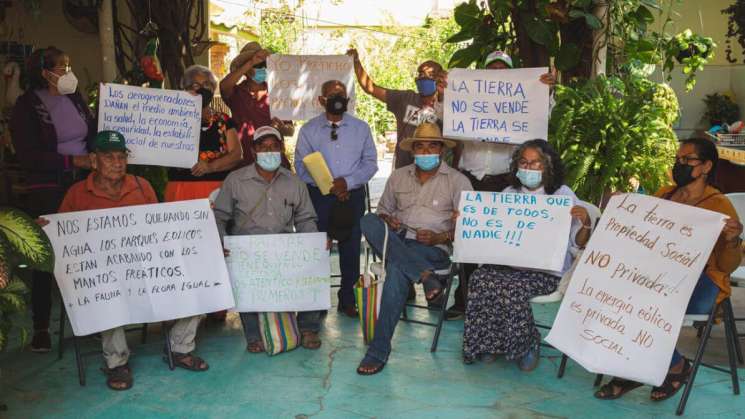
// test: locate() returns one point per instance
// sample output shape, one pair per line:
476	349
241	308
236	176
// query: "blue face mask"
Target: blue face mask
426	87
427	162
531	179
269	160
259	75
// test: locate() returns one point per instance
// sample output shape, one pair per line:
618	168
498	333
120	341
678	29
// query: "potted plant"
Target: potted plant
614	134
720	109
690	50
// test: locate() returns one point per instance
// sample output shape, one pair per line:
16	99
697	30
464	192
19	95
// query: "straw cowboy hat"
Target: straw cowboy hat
247	52
426	131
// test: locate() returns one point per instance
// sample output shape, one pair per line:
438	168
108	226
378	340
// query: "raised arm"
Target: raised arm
366	83
227	85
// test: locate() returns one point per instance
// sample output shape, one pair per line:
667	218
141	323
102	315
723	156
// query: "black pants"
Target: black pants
488	184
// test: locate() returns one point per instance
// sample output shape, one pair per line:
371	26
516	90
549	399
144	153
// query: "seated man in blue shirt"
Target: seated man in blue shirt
347	146
417	208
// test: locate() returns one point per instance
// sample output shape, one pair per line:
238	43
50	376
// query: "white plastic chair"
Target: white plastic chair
737	278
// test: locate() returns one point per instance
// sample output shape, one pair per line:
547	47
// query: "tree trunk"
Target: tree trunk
530	53
106	34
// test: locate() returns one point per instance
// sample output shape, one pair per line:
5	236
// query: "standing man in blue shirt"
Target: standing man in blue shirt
348	148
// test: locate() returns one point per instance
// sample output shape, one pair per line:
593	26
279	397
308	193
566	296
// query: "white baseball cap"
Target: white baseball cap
498	56
266	131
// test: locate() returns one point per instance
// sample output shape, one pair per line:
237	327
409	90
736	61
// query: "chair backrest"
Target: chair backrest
738	201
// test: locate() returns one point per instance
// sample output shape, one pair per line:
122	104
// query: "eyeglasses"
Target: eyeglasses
686	159
334	135
530	164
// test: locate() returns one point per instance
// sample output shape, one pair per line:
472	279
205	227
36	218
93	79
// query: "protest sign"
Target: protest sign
161	126
279	272
295	83
511	229
624	307
138	264
502	106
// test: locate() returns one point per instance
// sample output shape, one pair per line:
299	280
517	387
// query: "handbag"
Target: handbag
368	292
279	332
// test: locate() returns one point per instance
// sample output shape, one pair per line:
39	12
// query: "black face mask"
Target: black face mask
336	105
682	174
206	96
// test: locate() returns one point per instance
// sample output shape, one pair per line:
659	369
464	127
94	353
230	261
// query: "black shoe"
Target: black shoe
454	314
41	342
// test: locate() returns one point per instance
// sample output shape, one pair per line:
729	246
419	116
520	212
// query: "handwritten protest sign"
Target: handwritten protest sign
279	272
511	229
295	83
161	126
623	310
504	106
138	264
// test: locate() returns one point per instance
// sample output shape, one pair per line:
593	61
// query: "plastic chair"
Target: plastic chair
737	278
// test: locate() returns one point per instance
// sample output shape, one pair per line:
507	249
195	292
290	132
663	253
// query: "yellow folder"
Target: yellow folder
319	171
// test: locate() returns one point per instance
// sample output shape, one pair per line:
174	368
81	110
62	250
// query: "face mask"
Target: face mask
206	96
67	83
259	75
427	162
426	87
269	160
683	174
531	179
336	105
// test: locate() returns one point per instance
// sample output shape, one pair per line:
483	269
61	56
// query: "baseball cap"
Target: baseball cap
498	56
265	131
110	141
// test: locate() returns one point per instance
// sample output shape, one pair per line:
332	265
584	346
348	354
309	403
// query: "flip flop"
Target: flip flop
606	391
119	375
197	364
667	386
368	362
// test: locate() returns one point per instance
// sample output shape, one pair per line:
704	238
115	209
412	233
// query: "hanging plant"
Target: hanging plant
690	50
735	27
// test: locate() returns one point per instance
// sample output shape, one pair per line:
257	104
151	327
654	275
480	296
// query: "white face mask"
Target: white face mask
67	83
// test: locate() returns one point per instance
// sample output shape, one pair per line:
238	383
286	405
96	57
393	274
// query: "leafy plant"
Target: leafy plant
735	27
692	51
720	109
22	242
611	130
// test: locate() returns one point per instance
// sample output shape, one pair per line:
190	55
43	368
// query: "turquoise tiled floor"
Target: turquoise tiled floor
323	384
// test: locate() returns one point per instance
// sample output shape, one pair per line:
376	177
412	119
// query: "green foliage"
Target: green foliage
720	109
692	51
735	27
611	130
12	300
279	29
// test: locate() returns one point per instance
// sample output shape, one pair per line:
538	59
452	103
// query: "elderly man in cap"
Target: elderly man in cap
487	166
347	146
417	208
109	186
249	99
265	198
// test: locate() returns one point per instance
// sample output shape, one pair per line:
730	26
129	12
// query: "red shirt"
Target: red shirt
85	195
248	112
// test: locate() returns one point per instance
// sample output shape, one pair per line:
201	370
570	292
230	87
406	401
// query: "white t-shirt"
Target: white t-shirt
483	158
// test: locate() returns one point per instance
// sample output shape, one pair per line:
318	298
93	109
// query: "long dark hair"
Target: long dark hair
707	151
37	62
553	168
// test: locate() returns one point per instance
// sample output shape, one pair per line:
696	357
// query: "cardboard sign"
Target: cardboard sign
504	106
511	229
138	264
161	126
295	83
279	272
624	307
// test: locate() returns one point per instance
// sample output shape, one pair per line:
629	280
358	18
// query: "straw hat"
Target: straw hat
426	131
247	52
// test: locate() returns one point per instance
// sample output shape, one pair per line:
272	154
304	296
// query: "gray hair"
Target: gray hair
195	70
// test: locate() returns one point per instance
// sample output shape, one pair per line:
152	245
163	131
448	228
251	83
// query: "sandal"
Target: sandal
606	392
370	366
432	288
255	347
310	340
182	361
667	388
119	378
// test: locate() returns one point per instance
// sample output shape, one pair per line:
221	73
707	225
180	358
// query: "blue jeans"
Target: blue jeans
406	260
349	249
702	302
307	321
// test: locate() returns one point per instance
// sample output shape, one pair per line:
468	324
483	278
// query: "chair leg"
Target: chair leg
696	363
144	333
61	338
441	314
731	337
730	319
562	366
169	352
598	380
79	360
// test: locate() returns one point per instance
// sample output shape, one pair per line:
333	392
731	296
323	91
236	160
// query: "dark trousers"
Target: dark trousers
488	184
349	249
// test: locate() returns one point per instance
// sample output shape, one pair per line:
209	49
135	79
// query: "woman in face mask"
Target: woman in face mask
693	174
499	319
51	127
